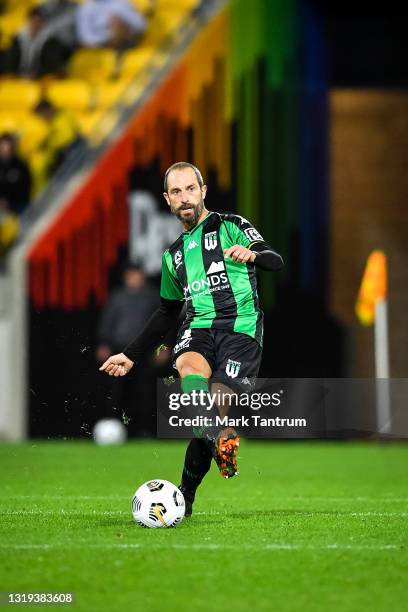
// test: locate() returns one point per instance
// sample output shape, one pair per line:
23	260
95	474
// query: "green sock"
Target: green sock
195	382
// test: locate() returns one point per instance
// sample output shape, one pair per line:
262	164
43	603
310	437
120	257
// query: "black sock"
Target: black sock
197	462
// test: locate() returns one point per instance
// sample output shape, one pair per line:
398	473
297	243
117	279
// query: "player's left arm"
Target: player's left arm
250	247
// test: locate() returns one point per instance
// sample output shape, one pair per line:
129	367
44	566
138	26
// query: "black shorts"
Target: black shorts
234	358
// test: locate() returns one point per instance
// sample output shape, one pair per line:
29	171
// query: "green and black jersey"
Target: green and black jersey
219	293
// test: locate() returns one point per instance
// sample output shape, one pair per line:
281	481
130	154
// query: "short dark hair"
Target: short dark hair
180	166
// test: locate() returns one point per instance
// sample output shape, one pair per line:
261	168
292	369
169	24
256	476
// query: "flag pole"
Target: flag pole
382	366
372	307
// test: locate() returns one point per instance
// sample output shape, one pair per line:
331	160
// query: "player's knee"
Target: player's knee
193	364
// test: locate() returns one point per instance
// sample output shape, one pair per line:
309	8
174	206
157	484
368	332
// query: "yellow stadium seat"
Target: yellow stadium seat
163	25
70	94
17	94
94	65
10	24
134	61
144	6
110	94
103	127
13	5
38	161
177	5
30	129
88	121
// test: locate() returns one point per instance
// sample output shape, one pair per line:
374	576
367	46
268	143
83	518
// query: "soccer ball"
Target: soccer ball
158	503
109	431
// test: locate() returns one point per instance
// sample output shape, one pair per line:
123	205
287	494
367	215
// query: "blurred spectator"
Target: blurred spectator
97	23
125	312
62	139
15	178
35	51
123	316
113	23
57	27
9	228
56	8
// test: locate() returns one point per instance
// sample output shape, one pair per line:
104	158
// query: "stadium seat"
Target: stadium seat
30	129
103	127
18	94
71	94
88	121
136	60
13	5
93	65
177	5
144	6
110	94
10	24
164	25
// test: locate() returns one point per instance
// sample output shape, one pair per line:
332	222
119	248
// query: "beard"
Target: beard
194	214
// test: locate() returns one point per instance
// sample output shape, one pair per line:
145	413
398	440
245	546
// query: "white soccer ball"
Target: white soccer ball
158	503
109	431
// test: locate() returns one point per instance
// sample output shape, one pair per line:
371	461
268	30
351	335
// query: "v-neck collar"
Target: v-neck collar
189	232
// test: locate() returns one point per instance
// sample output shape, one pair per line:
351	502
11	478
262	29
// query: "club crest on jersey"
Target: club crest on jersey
252	234
232	368
210	241
178	258
192	245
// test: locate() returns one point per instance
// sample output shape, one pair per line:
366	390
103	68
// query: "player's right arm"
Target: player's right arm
159	324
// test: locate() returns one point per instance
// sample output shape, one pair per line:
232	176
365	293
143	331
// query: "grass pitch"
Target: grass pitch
306	526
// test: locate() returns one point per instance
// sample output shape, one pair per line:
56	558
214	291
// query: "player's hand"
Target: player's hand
240	253
117	365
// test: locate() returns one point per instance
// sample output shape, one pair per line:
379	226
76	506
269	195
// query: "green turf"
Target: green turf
306	526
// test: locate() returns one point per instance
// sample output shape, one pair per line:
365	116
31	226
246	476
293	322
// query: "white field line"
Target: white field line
62	496
301	499
62	513
262	546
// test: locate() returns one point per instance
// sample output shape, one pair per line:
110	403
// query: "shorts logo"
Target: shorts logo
210	241
192	244
178	258
232	368
186	334
252	234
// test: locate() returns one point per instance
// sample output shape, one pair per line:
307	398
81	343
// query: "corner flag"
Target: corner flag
373	287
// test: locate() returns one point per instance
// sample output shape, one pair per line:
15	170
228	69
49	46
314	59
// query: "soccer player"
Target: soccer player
211	268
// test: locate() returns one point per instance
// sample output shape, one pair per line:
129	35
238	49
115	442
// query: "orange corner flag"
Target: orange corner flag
373	287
